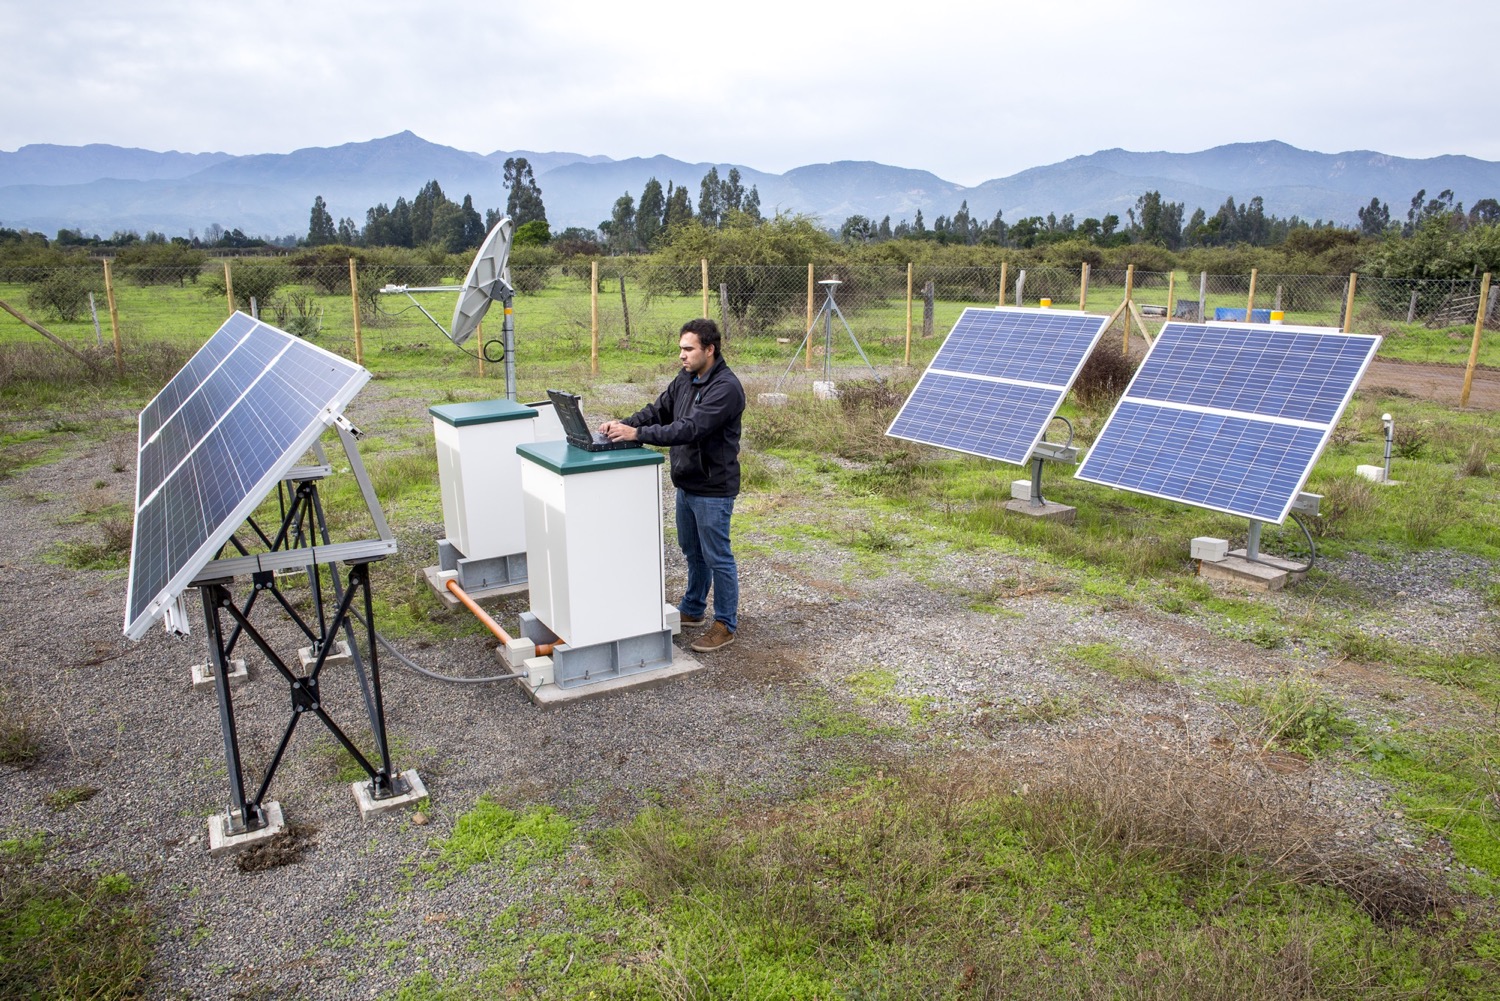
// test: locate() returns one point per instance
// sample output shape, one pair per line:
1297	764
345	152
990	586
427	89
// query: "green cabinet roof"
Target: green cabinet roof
565	460
481	412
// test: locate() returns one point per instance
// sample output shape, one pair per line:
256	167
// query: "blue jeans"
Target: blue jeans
703	534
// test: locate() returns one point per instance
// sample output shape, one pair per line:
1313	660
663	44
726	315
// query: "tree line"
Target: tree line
1436	238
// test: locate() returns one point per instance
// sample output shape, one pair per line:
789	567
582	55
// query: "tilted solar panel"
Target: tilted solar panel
1229	417
997	381
214	442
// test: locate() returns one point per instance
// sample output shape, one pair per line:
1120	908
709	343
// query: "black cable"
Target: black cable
1312	548
413	665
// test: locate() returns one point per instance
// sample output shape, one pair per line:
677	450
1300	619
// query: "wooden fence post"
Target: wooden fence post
228	289
1003	266
594	317
1129	291
114	319
625	309
908	311
1250	302
1479	318
1349	302
359	337
1083	287
1171	296
703	263
929	291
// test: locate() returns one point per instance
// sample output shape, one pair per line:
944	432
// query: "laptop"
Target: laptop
569	409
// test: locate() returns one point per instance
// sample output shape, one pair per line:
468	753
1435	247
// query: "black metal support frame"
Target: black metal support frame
304	526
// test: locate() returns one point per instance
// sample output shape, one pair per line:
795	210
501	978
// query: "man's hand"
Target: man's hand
617	431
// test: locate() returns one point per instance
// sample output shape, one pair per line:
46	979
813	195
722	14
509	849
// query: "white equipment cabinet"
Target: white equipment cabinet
594	554
479	473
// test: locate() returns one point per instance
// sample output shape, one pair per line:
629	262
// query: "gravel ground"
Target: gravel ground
992	679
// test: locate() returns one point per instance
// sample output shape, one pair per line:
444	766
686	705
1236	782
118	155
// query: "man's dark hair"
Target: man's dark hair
708	334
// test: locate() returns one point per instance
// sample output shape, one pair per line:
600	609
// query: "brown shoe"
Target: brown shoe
717	638
691	621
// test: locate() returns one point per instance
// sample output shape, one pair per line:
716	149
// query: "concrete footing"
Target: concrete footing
222	842
203	675
1047	510
369	806
338	658
1265	573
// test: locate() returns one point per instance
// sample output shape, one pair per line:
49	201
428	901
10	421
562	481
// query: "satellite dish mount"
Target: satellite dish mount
488	281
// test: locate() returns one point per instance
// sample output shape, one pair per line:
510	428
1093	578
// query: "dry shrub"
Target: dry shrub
1103	378
1346	501
20	741
1195	814
1477	461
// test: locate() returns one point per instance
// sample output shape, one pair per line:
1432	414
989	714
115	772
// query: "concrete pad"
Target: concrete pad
369	806
437	579
338	658
1047	510
550	696
772	399
1267	573
221	842
203	677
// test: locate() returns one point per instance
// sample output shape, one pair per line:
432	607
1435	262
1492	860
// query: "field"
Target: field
953	753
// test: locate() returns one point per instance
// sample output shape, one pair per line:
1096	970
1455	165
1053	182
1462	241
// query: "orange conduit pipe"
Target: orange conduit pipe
542	649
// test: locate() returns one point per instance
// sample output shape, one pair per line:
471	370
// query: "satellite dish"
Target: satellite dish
488	279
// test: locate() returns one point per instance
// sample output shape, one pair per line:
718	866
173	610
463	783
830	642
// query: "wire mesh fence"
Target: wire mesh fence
590	308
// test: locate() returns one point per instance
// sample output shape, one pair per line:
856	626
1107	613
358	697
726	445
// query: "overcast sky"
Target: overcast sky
967	90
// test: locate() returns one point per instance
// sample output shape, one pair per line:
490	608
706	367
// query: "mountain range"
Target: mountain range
103	189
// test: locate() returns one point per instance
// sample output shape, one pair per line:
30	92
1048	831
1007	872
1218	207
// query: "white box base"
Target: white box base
221	842
548	696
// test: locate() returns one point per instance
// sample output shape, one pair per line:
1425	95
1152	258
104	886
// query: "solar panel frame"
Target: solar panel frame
1231	417
205	465
997	381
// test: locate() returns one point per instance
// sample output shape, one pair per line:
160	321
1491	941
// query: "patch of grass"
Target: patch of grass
819	717
110	551
1447	780
66	934
952	886
1112	659
1297	715
61	799
492	834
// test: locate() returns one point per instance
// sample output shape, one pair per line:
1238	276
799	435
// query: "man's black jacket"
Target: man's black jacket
701	421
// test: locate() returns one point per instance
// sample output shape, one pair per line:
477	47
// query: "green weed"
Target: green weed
1296	714
66	934
1112	659
491	834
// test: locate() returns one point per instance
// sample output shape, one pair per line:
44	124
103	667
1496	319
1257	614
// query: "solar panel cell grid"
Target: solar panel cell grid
1229	418
997	381
222	445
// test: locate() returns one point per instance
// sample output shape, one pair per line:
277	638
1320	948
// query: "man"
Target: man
699	417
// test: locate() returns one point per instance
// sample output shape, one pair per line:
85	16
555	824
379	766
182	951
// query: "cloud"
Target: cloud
968	90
